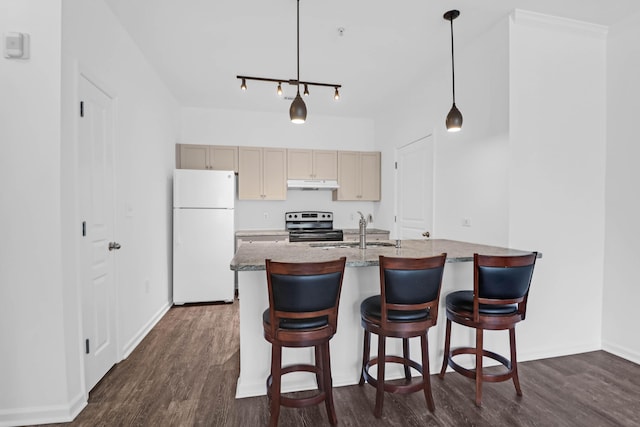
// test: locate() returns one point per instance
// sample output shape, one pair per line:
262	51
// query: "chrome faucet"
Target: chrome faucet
363	231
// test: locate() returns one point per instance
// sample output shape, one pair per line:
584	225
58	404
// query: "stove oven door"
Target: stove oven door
316	236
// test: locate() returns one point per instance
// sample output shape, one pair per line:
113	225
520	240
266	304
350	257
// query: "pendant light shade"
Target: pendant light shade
454	118
298	110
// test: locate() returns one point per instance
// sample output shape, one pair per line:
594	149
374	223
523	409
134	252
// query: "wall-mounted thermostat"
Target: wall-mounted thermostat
16	45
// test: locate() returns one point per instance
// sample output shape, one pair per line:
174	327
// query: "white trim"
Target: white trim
535	19
144	331
43	414
620	351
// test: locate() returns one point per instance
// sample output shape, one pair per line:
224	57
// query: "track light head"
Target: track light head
243	86
306	90
279	90
336	94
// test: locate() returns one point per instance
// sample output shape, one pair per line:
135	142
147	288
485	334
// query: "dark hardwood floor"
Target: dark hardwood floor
184	374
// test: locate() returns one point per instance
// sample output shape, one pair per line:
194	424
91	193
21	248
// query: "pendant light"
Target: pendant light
298	109
454	118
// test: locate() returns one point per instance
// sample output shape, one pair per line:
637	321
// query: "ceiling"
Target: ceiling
199	46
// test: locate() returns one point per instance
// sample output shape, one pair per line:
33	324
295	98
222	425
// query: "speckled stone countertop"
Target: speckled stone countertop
253	233
251	257
369	231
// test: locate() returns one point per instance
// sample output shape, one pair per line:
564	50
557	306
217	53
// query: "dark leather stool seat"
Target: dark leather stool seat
498	301
303	312
406	307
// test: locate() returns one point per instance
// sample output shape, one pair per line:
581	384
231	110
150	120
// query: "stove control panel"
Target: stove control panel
308	216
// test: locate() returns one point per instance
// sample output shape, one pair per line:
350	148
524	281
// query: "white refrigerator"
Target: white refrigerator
203	235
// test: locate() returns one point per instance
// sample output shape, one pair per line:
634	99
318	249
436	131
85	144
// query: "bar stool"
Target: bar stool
303	312
406	307
498	301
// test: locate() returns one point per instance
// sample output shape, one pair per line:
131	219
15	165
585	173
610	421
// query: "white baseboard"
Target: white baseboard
43	414
546	353
620	351
144	331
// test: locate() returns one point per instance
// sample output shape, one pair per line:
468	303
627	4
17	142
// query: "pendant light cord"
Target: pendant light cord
298	45
453	70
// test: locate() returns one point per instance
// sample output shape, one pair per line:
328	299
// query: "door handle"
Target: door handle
114	246
426	234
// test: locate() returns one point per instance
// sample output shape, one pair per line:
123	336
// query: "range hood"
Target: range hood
312	184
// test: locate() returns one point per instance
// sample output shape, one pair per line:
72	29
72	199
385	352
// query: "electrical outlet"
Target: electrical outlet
466	222
266	215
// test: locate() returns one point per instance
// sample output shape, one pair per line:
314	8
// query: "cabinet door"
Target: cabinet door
325	164
370	178
299	164
193	156
348	176
223	158
274	166
250	173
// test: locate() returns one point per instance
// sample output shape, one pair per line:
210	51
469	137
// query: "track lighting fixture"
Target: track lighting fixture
298	109
454	118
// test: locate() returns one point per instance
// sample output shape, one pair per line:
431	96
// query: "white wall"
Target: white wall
31	284
556	181
528	166
471	168
146	129
42	367
621	292
247	128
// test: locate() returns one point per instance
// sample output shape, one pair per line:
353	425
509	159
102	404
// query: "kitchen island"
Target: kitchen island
361	280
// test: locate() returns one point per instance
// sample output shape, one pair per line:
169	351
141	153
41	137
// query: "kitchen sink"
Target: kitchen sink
345	245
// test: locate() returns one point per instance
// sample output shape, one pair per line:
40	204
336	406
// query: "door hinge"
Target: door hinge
396	165
81	108
86	346
395	218
84	228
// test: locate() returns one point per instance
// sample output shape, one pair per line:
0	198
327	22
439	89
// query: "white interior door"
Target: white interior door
96	204
415	189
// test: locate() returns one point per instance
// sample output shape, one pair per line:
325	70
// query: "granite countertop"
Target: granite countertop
251	257
252	233
369	231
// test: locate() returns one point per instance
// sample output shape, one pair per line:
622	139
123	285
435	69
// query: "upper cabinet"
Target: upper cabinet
214	157
262	173
312	164
358	176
